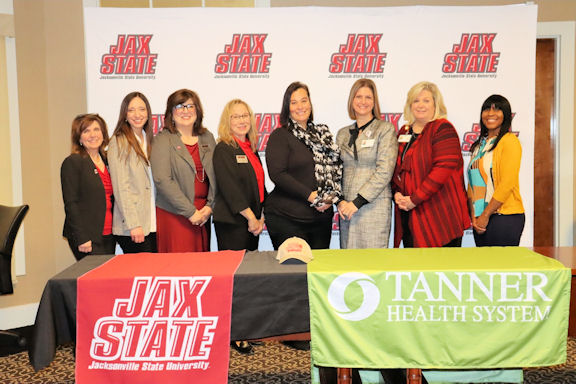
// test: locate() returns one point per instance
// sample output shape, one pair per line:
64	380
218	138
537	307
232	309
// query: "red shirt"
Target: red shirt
256	165
107	182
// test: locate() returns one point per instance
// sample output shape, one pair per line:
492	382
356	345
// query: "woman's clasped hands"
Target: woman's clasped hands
201	216
403	202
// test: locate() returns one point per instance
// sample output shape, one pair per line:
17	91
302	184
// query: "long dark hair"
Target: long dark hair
123	129
285	112
500	103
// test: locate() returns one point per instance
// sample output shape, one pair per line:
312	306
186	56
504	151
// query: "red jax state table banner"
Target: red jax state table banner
156	318
470	52
438	308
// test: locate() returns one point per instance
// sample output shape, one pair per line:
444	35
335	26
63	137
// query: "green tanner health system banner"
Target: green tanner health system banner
438	308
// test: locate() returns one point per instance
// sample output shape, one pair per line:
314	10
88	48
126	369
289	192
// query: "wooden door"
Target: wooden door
544	146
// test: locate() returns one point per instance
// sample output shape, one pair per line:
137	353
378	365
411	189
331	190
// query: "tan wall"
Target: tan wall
52	89
548	10
5	153
6	29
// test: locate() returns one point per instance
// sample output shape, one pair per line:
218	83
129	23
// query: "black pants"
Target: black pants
235	237
501	231
316	233
128	246
105	245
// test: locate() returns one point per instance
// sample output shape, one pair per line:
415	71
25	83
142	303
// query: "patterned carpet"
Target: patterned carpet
271	362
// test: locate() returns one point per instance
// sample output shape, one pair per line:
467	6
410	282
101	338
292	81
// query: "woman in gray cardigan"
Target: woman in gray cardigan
134	220
368	149
183	175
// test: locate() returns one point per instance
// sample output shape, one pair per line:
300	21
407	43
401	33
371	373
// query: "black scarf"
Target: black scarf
354	132
328	166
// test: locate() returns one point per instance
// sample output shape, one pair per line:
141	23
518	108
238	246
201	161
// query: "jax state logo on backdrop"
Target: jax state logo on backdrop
266	123
129	58
471	136
392	117
359	56
473	57
157	122
244	57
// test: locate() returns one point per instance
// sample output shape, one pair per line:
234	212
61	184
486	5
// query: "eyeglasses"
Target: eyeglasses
180	107
240	117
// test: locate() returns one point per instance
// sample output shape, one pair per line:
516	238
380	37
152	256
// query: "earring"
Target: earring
81	144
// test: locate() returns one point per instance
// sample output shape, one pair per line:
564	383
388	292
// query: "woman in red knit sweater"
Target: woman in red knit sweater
428	183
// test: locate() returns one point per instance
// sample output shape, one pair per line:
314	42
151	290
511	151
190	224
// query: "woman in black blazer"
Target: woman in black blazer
240	192
87	189
238	218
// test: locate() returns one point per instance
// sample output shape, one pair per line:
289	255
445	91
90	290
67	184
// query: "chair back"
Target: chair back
10	220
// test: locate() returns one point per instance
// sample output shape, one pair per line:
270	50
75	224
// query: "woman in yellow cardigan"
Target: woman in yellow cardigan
493	187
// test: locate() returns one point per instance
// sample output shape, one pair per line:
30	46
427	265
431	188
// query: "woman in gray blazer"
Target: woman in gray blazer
134	224
368	149
181	161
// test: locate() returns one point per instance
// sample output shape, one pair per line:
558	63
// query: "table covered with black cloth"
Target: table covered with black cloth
269	299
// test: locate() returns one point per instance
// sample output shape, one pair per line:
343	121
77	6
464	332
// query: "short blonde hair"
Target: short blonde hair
439	107
224	131
361	83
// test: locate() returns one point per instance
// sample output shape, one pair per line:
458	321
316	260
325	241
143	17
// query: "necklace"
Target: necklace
203	176
97	160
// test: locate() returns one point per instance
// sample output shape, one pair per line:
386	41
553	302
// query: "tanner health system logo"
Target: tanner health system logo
370	300
130	58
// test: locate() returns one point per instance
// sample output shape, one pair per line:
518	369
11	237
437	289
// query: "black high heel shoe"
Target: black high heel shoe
243	347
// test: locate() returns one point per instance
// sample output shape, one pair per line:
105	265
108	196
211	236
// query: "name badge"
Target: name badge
367	143
241	159
404	138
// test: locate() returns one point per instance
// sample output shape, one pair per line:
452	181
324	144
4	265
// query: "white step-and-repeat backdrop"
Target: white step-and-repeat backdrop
254	53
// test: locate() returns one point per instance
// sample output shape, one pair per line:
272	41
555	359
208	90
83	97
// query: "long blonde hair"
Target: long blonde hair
224	131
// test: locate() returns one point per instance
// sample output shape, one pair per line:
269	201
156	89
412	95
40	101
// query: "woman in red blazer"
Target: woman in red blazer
431	206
